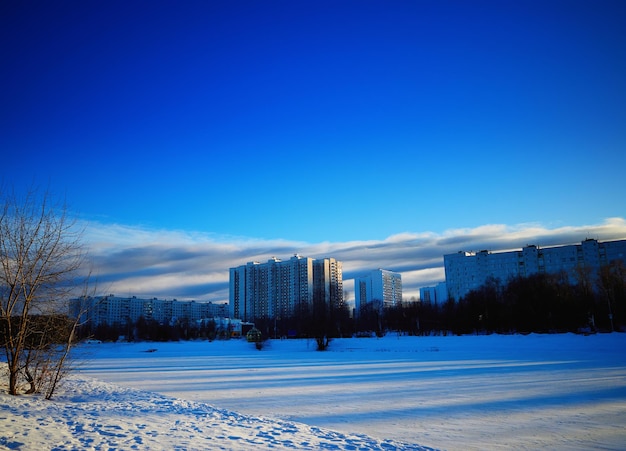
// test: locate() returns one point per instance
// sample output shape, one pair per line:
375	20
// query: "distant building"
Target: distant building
434	295
380	285
467	271
114	310
281	289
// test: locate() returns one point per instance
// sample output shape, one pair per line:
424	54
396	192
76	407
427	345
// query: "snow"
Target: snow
472	392
97	415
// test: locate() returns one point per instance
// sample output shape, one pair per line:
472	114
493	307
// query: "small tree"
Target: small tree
40	259
255	336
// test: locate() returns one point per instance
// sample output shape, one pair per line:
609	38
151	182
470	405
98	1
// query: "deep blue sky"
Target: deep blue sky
318	121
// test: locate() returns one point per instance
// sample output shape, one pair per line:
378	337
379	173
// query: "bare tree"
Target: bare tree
612	282
40	257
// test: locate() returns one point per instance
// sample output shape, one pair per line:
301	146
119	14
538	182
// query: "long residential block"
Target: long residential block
466	271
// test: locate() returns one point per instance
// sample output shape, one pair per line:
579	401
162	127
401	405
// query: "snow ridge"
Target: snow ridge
91	415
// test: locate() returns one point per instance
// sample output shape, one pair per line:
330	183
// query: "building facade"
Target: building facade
115	311
434	295
379	285
467	271
281	289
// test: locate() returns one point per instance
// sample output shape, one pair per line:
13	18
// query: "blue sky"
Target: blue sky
314	123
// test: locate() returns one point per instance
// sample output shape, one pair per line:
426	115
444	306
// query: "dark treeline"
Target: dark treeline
150	330
42	330
540	303
321	322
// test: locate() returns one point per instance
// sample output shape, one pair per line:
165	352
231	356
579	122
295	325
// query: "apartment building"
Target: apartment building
466	271
280	289
437	294
379	285
115	310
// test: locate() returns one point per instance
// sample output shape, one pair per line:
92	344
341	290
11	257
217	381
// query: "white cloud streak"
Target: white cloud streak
130	260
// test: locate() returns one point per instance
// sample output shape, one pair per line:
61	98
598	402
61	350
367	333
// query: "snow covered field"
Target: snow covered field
472	392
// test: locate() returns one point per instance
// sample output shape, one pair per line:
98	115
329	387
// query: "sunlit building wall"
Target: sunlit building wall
328	281
467	271
380	285
280	289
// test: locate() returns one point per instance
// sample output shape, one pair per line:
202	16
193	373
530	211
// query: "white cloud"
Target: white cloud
193	265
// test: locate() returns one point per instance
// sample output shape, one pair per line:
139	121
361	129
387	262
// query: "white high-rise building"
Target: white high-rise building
379	285
467	271
280	289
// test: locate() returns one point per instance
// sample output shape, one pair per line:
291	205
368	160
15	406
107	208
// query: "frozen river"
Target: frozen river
471	392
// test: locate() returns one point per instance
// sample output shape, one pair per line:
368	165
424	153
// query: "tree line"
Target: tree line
151	330
541	303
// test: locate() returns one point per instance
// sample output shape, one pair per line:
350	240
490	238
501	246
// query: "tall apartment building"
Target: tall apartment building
115	310
466	271
282	288
379	285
